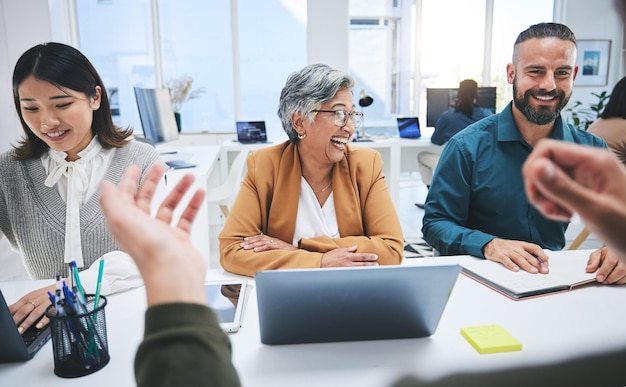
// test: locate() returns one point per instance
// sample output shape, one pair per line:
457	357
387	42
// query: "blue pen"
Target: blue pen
538	259
69	306
52	298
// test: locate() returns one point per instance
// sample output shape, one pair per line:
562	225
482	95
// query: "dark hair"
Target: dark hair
64	66
544	30
468	91
616	107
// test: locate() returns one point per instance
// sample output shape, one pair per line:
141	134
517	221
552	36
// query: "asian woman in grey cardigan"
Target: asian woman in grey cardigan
49	181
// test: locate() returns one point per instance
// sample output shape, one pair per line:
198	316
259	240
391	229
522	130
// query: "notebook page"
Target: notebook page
564	271
570	267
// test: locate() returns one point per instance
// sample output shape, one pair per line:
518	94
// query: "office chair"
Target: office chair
224	194
584	233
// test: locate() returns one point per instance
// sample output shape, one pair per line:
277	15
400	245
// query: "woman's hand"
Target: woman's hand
347	256
263	242
30	308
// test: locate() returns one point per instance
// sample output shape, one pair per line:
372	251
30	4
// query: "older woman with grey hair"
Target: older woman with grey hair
314	200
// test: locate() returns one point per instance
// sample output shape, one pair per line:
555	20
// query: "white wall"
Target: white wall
327	33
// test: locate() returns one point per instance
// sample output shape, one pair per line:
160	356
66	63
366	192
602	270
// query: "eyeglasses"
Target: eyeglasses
341	117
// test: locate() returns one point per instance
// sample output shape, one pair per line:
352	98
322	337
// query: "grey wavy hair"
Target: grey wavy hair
306	90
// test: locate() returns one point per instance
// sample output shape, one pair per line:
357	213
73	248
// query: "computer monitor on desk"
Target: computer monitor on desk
158	122
438	100
156	114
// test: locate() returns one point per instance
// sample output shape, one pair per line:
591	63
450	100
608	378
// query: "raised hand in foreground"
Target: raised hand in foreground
172	269
562	178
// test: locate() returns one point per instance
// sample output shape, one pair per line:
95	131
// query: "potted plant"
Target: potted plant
582	117
181	91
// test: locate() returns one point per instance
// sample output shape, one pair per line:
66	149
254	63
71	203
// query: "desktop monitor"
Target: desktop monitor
438	100
156	114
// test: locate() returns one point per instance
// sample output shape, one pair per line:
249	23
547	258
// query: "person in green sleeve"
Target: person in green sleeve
183	343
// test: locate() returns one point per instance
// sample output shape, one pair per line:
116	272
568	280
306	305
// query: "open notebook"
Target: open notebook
567	271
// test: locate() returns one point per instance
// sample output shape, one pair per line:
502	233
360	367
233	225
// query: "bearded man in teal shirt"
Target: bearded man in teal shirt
476	204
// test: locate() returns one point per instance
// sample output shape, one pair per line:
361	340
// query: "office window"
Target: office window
196	41
452	36
272	45
375	57
452	41
123	56
241	75
505	31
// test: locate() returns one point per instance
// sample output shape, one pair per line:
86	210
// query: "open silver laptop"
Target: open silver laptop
13	346
251	132
345	304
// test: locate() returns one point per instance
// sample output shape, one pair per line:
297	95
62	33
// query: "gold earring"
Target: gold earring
301	136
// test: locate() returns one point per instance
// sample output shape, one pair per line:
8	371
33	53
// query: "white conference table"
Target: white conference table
585	321
394	152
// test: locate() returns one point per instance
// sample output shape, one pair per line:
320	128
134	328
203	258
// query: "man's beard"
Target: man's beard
543	116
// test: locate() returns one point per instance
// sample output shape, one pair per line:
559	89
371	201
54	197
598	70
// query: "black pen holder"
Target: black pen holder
79	340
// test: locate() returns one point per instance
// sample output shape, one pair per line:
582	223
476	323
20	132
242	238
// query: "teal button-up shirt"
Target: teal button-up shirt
477	193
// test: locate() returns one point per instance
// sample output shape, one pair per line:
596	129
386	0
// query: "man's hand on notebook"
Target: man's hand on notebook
517	255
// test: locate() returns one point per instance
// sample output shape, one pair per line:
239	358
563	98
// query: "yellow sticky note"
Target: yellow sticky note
491	339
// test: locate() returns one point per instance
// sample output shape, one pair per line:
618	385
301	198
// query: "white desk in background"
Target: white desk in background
585	321
204	157
398	154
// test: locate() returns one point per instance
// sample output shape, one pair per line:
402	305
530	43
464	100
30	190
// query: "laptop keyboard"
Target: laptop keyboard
31	334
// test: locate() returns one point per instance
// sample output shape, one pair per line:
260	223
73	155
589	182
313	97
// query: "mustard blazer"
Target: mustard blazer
268	203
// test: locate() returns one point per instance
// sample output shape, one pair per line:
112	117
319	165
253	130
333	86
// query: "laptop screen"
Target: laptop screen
156	114
407	301
251	131
409	127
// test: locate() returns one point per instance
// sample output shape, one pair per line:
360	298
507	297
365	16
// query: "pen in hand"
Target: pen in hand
543	265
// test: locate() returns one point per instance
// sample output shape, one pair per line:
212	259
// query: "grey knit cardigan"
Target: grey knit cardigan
32	216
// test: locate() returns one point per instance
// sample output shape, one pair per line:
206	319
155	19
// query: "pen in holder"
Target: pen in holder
79	336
